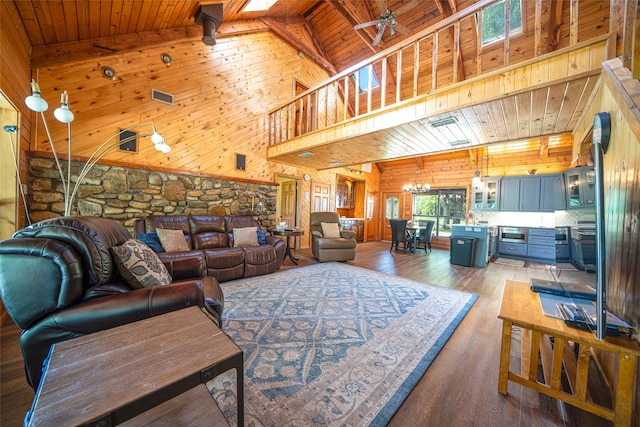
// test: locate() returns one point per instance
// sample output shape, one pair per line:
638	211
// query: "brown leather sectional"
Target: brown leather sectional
212	251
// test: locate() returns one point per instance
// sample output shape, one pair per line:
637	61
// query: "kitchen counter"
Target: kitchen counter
479	232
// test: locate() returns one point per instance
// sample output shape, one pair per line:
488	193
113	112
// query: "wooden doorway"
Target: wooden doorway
371	216
288	206
390	209
9	149
321	197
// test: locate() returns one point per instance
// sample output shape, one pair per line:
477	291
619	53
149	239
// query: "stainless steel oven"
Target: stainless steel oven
513	234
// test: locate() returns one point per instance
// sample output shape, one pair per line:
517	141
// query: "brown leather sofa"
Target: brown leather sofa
210	238
59	280
327	249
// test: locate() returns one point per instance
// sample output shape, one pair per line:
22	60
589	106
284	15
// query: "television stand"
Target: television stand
520	307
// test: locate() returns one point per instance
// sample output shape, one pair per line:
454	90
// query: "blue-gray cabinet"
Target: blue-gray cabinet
520	193
541	244
485	198
580	187
552	193
509	249
540	193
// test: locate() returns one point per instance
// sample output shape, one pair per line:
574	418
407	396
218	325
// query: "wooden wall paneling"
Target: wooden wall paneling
14	80
198	92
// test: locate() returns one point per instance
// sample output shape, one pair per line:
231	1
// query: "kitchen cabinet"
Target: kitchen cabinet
345	195
520	194
541	244
541	193
485	198
580	187
510	249
552	193
354	224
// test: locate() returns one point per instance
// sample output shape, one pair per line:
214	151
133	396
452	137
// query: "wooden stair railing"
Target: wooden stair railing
412	68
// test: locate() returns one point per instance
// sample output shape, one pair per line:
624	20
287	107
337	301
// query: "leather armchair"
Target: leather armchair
58	281
327	249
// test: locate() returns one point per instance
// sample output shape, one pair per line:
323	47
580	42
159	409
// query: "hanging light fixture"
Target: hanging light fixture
416	187
476	182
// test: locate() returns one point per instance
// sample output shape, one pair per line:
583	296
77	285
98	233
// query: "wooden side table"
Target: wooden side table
289	235
144	367
520	307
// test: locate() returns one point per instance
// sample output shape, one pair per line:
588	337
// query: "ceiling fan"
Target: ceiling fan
388	19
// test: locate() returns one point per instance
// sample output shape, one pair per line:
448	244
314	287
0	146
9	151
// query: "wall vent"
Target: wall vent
459	143
158	95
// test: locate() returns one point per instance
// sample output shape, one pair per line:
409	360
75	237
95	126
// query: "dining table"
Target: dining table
413	231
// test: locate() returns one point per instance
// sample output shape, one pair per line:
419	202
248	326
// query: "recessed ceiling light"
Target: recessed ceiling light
108	73
334	164
305	154
258	5
166	59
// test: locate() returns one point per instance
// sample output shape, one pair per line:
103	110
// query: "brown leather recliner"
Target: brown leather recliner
58	281
211	238
327	249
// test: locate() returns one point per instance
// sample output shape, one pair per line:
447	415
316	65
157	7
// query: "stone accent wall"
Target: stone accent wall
125	194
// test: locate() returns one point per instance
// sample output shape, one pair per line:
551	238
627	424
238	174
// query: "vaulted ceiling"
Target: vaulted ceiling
61	31
323	30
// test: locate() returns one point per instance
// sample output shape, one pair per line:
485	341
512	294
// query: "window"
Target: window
493	21
392	207
444	206
363	75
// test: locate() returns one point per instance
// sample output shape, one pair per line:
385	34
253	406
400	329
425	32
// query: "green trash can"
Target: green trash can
463	250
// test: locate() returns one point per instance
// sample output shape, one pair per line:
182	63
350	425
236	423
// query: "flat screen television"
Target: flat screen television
600	139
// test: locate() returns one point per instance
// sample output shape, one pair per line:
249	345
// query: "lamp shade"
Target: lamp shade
62	113
34	101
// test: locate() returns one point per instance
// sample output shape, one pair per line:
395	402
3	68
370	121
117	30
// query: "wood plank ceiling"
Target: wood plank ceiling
68	31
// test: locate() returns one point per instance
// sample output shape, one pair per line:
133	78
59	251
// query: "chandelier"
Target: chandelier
416	187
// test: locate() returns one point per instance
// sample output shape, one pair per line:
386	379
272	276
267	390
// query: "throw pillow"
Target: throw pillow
246	236
262	237
330	230
152	240
172	240
139	265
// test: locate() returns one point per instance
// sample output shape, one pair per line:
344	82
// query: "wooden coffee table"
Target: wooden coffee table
142	370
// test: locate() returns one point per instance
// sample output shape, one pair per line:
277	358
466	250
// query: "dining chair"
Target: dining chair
424	234
399	235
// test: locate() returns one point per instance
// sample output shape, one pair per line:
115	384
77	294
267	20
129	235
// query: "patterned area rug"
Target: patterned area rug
333	344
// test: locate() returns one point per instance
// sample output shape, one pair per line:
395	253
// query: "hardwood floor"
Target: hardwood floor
460	388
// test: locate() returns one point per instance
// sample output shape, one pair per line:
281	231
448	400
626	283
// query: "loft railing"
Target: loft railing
419	65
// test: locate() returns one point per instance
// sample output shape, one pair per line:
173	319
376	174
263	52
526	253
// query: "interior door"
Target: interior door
9	146
288	202
371	216
390	209
321	200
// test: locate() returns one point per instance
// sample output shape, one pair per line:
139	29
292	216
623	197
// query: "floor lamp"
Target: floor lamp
63	114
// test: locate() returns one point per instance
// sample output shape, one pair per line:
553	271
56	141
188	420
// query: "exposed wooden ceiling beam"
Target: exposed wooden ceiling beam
544	147
281	31
355	20
61	53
